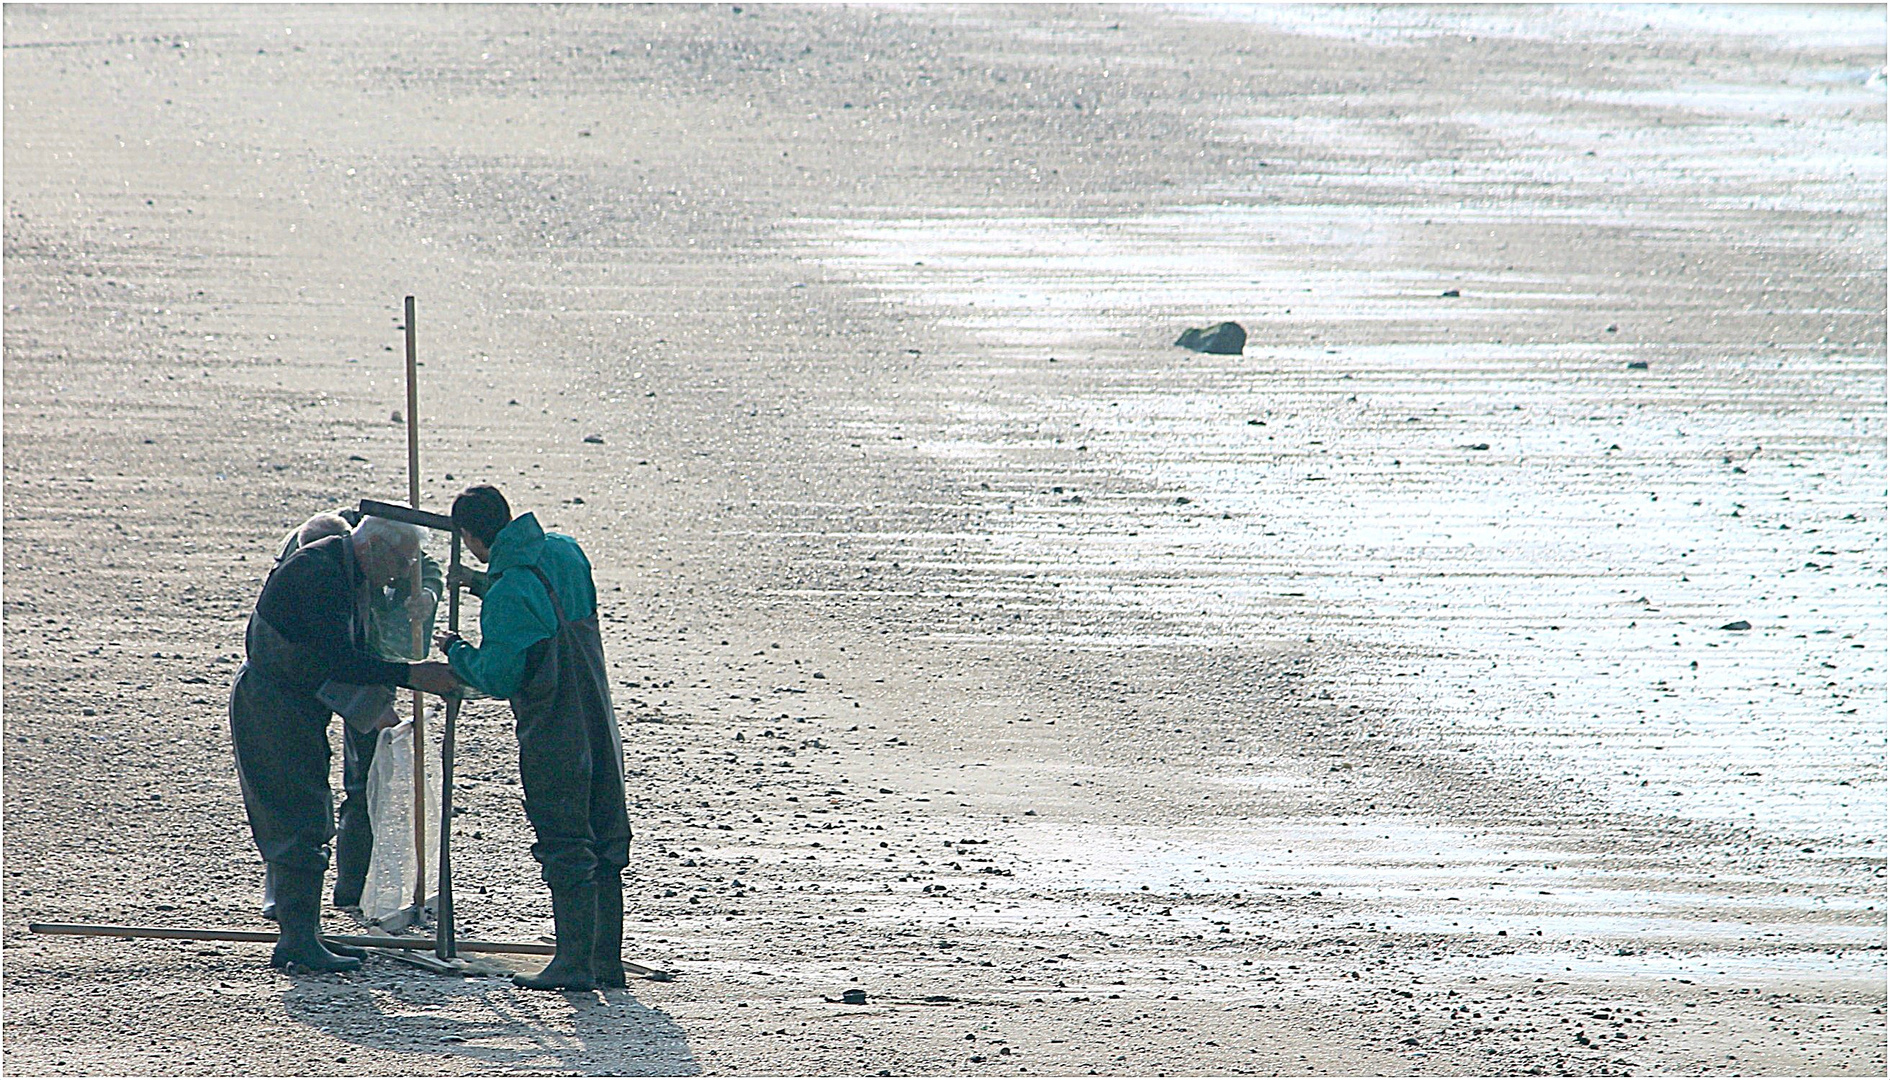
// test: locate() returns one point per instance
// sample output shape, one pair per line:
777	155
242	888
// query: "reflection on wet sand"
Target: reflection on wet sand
1521	503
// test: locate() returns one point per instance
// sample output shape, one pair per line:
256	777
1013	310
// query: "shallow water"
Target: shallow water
1583	562
1788	26
1523	542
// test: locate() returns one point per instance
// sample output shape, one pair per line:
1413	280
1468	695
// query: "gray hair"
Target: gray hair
319	526
395	534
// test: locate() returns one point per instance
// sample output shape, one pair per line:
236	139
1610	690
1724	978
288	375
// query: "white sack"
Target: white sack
392	869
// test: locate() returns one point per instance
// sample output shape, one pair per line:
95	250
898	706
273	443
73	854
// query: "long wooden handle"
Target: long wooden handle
419	706
413	412
366	941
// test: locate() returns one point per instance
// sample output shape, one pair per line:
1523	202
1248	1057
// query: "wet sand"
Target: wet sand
1092	704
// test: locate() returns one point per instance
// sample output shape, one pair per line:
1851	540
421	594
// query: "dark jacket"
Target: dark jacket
314	599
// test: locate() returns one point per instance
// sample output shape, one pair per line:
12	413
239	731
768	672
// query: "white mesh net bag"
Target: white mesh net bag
393	870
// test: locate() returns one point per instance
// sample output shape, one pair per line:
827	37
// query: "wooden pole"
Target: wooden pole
363	941
413	412
419	708
368	941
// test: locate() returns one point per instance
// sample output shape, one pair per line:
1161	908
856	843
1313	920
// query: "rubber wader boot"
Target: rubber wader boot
298	913
269	912
574	911
607	946
269	892
353	848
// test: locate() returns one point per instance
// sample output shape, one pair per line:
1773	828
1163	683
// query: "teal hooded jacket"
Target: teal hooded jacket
515	613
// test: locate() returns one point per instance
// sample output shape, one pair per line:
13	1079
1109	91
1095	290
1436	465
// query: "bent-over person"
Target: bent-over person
310	628
392	613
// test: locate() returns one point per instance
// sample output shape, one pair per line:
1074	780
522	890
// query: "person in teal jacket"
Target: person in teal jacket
539	648
515	612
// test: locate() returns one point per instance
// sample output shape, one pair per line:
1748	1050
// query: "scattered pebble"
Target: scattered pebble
1228	338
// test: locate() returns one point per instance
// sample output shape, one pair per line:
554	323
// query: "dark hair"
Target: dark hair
481	511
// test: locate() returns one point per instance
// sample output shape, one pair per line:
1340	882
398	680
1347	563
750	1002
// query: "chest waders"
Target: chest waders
386	632
279	731
570	760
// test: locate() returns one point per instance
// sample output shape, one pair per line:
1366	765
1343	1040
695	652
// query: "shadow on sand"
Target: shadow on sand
492	1022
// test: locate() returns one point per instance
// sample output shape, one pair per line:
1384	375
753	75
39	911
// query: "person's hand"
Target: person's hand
433	677
473	581
388	718
445	639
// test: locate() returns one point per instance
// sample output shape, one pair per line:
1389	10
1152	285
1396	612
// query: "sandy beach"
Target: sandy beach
1366	703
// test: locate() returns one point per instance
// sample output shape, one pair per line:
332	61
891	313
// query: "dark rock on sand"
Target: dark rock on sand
1227	338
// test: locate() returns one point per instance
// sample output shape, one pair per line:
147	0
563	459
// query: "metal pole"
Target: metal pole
445	945
419	707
